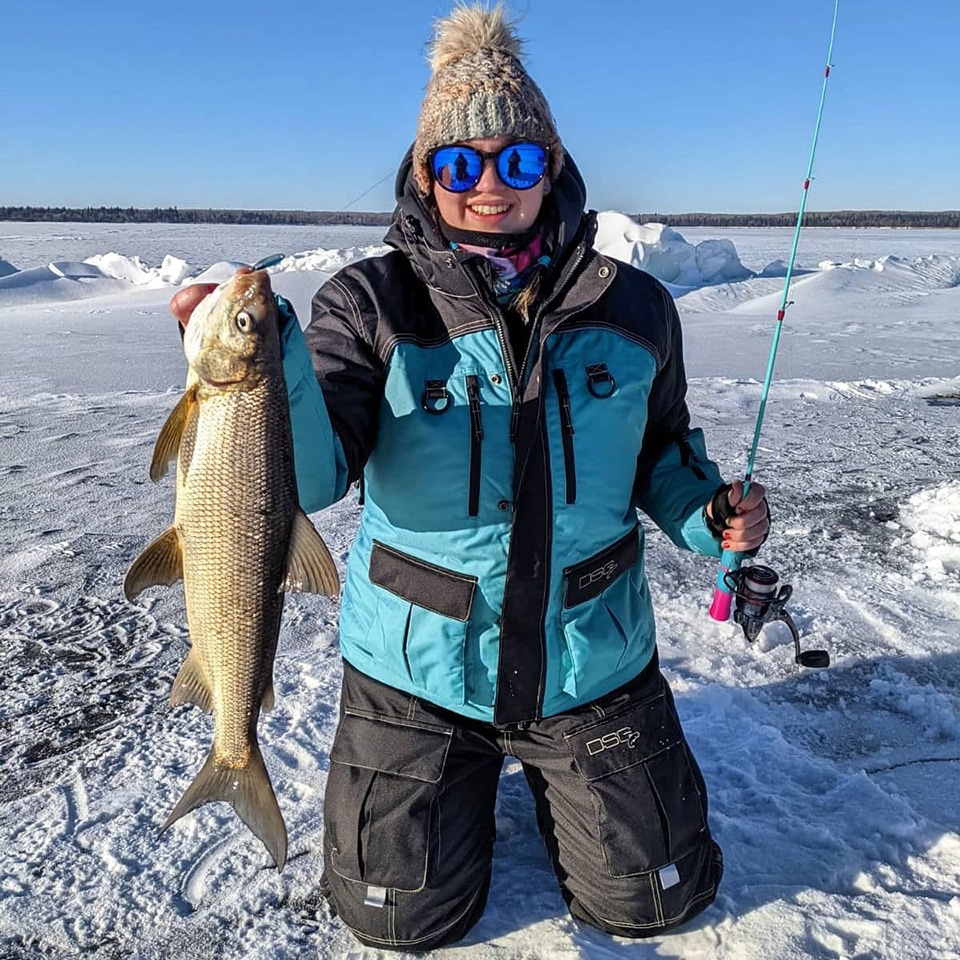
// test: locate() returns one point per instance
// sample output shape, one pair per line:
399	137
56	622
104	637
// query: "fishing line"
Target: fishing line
731	580
356	199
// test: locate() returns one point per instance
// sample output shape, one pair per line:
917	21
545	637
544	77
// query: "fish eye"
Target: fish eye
243	321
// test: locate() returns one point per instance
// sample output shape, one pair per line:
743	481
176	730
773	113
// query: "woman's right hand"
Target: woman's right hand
185	301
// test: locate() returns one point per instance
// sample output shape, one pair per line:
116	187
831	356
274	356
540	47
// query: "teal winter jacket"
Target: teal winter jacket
498	570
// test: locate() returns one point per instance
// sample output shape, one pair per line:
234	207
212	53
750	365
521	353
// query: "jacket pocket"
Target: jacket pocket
650	798
605	613
443	591
380	805
421	617
589	578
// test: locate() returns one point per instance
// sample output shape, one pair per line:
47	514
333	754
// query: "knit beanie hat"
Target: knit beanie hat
478	88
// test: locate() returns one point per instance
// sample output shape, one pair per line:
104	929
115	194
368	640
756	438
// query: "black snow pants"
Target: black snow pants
409	813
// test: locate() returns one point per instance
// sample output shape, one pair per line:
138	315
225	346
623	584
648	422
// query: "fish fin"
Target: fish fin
160	564
310	568
168	443
192	684
269	699
248	791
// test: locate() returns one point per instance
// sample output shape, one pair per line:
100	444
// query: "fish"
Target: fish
238	540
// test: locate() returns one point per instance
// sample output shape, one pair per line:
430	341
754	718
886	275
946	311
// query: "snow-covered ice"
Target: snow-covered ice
835	794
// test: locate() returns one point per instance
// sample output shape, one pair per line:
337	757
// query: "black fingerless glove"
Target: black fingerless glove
721	510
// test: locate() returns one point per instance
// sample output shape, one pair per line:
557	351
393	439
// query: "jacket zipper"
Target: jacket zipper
515	376
513	379
566	432
479	284
476	439
558	289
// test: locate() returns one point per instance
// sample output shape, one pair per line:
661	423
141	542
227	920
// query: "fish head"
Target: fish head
233	339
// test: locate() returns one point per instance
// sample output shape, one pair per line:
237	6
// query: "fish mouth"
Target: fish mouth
222	383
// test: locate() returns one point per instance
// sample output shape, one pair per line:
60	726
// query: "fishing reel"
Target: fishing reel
758	603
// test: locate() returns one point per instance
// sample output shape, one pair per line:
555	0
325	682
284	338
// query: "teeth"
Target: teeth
486	210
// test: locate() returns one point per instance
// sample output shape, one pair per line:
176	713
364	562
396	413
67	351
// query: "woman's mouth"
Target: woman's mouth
489	209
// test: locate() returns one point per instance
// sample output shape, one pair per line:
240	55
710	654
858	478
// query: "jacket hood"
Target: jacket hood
414	232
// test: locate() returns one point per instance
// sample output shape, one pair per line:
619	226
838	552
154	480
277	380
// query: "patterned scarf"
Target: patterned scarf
512	266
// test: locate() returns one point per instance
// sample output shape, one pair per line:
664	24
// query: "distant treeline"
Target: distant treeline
834	218
176	215
829	218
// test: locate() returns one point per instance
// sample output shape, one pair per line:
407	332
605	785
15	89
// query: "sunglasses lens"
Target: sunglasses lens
519	165
457	168
522	165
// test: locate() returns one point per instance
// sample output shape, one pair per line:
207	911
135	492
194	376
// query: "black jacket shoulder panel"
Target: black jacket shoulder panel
387	304
637	305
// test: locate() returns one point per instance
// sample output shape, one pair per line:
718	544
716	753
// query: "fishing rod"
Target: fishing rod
757	602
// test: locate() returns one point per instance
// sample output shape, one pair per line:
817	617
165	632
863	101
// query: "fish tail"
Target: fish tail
249	791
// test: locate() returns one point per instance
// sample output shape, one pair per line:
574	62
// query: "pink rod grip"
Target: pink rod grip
720	608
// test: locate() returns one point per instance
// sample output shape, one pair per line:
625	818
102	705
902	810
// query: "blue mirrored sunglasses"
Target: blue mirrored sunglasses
458	168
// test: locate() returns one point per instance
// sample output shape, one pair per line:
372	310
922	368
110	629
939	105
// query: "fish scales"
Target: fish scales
236	512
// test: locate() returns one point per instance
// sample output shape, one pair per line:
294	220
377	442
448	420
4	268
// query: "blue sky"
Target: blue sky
699	105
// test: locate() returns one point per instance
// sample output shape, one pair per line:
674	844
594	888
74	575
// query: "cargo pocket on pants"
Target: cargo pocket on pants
649	794
381	800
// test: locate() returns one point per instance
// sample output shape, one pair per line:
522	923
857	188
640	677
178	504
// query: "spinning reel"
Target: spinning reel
758	603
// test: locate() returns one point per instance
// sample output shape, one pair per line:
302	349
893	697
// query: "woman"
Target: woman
509	398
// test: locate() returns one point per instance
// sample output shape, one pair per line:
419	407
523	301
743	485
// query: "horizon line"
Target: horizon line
387	213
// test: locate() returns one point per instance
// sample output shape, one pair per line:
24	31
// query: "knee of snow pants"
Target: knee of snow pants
400	778
624	814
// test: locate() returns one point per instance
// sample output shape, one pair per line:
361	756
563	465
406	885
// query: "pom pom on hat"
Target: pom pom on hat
479	88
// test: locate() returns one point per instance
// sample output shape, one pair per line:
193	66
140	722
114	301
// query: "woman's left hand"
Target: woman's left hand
749	523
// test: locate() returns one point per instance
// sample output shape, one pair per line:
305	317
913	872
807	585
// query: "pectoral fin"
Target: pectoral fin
310	568
168	443
160	564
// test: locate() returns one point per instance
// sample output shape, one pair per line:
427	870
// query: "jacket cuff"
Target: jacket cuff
699	537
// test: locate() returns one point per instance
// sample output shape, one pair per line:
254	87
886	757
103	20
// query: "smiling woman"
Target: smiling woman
84	728
502	609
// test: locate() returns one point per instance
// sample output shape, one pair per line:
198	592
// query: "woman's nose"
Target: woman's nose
489	177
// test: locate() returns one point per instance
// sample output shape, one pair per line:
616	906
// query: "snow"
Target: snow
835	794
665	253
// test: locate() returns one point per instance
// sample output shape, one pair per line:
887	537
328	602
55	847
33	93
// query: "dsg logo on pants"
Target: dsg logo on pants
625	736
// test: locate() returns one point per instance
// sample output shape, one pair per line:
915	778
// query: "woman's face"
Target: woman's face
491	206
